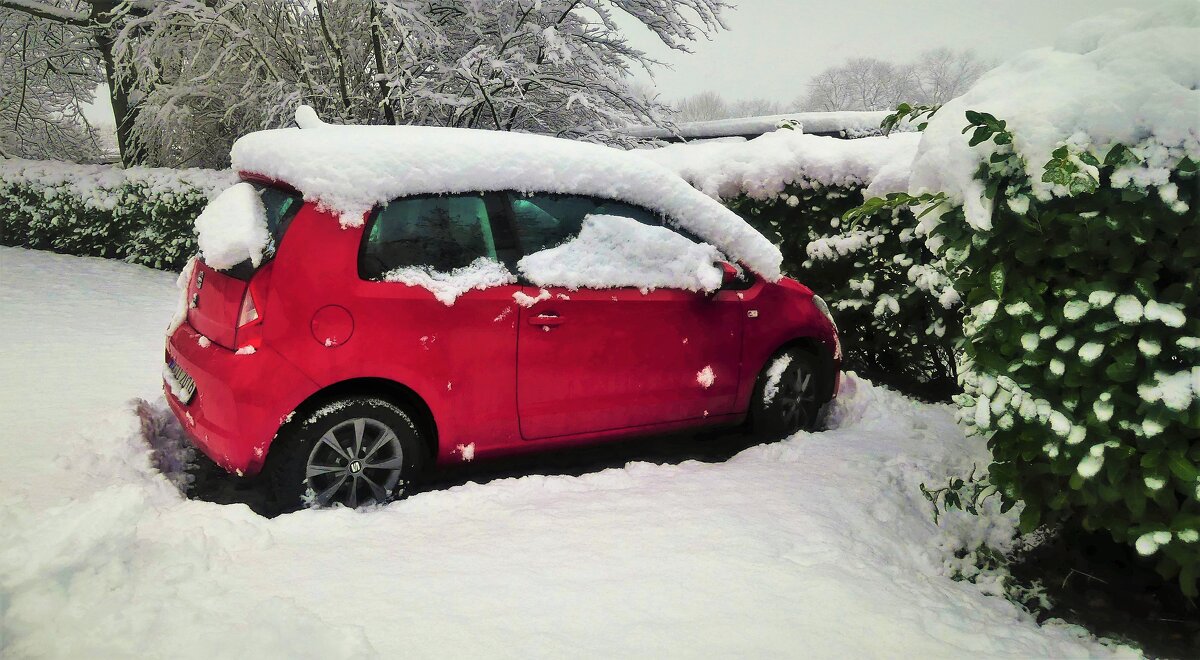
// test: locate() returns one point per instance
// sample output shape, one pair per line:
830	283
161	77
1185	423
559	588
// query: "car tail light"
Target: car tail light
249	312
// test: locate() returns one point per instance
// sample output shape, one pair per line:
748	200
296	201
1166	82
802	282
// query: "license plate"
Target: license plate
181	384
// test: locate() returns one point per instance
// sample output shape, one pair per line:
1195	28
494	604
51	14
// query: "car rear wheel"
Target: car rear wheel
353	452
789	395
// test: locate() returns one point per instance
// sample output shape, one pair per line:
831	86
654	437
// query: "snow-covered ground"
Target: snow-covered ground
819	545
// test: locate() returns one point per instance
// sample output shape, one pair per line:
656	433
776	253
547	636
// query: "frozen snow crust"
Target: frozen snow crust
350	169
788	548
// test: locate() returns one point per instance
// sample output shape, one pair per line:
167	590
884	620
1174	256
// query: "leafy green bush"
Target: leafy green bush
897	316
1082	339
140	215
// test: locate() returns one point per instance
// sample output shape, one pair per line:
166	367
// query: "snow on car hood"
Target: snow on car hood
349	169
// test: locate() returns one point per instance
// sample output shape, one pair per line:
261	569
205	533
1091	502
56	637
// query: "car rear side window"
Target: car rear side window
437	232
546	220
281	206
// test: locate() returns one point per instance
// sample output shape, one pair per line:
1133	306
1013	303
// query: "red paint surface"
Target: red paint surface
506	378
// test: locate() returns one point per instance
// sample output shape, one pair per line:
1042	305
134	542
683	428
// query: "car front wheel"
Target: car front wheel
352	452
788	396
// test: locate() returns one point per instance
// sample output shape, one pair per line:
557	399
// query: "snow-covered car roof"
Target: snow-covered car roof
350	169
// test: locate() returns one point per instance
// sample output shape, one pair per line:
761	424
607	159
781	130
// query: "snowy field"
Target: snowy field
817	546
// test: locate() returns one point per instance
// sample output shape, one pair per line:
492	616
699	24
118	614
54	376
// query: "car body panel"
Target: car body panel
483	366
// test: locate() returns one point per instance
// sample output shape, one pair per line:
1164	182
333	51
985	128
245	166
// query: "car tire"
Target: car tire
789	395
351	452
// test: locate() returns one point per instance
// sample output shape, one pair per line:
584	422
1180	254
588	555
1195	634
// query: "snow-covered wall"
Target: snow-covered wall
761	168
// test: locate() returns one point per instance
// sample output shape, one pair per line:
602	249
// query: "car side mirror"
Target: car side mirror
729	274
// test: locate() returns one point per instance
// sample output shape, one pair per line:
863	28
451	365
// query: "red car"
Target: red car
340	381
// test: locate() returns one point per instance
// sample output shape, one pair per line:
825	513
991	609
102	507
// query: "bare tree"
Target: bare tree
709	106
941	74
47	72
705	106
862	83
755	108
94	24
866	83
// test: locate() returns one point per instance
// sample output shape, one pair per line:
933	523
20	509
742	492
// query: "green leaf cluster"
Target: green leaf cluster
1082	344
893	330
140	224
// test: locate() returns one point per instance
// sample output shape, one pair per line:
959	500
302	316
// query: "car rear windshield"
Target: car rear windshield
281	205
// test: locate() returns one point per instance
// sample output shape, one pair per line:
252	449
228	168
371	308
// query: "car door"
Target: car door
428	316
593	360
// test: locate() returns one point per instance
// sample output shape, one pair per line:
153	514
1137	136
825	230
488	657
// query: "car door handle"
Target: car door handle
546	319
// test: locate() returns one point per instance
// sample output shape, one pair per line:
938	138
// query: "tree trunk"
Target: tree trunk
377	46
124	112
118	96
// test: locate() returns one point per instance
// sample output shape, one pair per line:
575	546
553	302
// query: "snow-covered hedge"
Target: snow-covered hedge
1068	216
898	318
140	215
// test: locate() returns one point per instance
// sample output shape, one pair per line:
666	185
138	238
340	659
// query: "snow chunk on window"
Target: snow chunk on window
705	377
233	228
482	273
614	251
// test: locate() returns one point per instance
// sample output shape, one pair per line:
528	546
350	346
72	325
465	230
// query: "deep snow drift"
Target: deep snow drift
819	545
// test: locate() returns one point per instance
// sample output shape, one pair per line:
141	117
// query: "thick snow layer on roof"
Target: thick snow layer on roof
762	167
350	169
1128	77
851	123
613	251
96	185
233	228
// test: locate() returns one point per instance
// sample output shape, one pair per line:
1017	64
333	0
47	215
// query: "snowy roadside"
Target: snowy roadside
819	545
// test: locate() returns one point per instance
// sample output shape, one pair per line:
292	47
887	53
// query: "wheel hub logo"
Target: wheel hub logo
356	467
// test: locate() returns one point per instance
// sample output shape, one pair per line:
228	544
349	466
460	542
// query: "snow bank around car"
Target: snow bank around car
350	169
1129	77
613	251
233	228
807	542
761	168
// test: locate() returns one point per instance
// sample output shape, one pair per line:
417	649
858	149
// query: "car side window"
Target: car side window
437	232
547	220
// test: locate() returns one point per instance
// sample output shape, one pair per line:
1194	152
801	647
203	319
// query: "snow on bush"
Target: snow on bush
140	215
613	251
898	317
233	228
350	169
1083	311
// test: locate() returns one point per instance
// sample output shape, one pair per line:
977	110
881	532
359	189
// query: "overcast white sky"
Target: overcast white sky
773	47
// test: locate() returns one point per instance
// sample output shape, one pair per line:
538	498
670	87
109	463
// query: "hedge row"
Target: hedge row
1082	342
140	215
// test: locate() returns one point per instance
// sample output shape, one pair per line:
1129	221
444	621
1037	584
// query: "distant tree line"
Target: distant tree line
860	83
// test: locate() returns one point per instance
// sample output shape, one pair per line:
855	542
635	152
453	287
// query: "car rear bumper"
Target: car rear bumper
234	413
